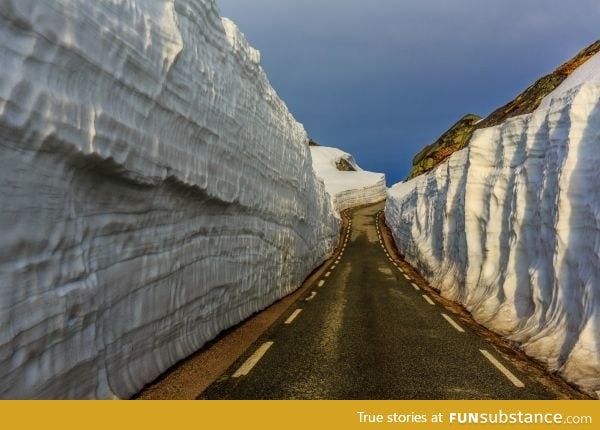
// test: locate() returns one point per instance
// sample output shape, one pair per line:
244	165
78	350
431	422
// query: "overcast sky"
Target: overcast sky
383	78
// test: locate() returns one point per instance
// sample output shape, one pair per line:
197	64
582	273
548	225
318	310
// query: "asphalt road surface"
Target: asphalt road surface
363	330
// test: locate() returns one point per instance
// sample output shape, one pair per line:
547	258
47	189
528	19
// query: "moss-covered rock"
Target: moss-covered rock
458	136
343	165
530	99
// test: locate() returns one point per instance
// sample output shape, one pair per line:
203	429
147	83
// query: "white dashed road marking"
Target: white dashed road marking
512	378
415	286
428	300
327	274
312	296
321	283
252	360
453	323
293	316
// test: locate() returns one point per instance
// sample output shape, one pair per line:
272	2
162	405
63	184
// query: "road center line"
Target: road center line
453	323
321	283
252	360
312	296
293	316
428	300
511	377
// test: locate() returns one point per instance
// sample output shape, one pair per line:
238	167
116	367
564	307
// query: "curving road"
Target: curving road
365	330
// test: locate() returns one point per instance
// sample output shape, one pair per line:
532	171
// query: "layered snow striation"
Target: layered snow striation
154	189
347	188
510	228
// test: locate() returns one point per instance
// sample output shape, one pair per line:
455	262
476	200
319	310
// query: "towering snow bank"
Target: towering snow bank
154	189
347	188
510	228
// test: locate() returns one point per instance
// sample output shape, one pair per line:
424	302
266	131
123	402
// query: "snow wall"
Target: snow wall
347	188
510	228
154	191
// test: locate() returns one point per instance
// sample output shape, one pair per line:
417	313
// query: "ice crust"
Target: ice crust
154	191
510	228
347	188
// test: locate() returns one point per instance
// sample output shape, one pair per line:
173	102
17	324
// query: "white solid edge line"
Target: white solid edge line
428	300
415	286
312	296
511	377
453	323
293	316
245	368
321	283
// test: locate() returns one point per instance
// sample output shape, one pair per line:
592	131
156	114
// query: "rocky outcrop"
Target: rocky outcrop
530	99
458	136
455	139
155	191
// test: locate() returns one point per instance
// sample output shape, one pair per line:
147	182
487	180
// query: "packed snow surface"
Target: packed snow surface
347	188
154	189
510	228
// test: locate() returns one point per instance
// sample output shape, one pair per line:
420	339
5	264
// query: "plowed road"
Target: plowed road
364	330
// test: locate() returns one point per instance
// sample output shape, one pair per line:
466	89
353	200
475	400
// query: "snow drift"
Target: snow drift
154	189
510	227
349	188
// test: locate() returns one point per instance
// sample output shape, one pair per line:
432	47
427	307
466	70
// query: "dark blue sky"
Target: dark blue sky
383	78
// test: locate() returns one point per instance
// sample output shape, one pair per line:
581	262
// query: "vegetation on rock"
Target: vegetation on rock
344	165
458	136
